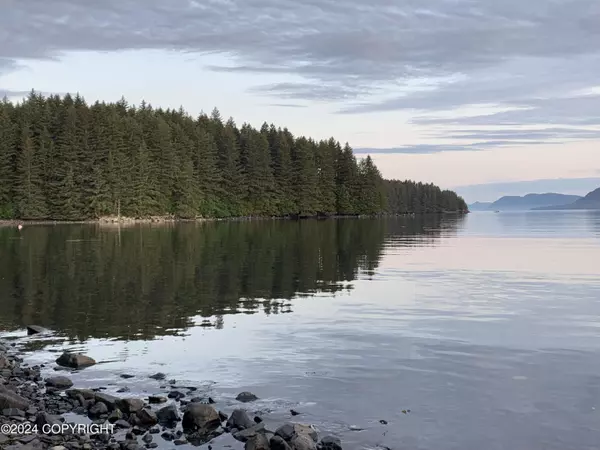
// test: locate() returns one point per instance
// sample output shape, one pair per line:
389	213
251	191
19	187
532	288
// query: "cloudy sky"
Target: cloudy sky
486	96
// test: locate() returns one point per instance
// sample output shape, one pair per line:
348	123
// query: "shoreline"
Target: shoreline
108	221
33	406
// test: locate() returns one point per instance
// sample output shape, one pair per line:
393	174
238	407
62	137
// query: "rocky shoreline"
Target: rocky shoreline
33	410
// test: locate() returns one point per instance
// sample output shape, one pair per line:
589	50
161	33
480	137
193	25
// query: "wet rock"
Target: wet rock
147	438
180	442
200	416
75	360
123	390
176	395
383	422
167	436
98	409
158	376
249	433
285	431
258	419
154	430
290	430
168	414
59	382
147	417
122	424
246	397
294	412
36	329
239	419
130	405
155	399
10	399
126	376
222	416
258	442
330	443
278	443
109	400
87	394
303	442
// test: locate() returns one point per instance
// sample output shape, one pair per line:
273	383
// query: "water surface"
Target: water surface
486	327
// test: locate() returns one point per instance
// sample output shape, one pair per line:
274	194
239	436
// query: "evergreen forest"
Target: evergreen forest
63	159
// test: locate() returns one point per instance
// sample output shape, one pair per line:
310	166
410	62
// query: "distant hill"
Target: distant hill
480	206
590	201
525	203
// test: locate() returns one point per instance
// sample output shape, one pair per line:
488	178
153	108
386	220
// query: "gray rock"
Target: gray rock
75	360
158	376
98	409
303	442
9	399
87	394
199	415
168	414
59	382
5	363
249	433
13	412
130	405
122	424
44	418
147	438
286	431
239	419
115	415
157	399
278	443
258	442
146	417
246	397
109	400
330	443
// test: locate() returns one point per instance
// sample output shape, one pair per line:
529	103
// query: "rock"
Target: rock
5	363
109	400
115	415
59	382
179	442
257	419
3	439
147	438
248	433
167	436
10	399
75	360
123	390
8	412
285	431
158	376
294	413
98	409
147	417
130	405
303	442
157	399
200	416
383	422
330	443
278	443
222	416
126	376
35	329
168	414
122	424
258	442
239	419
289	430
87	394
44	418
246	397
176	395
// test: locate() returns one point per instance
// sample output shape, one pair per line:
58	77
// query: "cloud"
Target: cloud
439	148
532	56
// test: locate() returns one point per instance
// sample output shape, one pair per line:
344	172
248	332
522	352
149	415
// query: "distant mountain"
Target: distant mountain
480	206
590	201
525	203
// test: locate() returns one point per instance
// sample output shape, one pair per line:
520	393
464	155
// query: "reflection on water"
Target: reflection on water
486	328
138	282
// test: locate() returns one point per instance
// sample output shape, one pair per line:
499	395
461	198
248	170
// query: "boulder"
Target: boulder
109	400
146	417
278	443
59	382
303	442
35	329
130	405
249	433
246	397
330	443
44	418
290	430
98	409
200	416
86	394
168	414
158	376
258	442
157	399
74	360
239	419
10	399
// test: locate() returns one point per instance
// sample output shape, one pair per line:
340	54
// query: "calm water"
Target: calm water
486	327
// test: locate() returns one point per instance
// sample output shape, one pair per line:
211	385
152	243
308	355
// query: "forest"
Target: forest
63	159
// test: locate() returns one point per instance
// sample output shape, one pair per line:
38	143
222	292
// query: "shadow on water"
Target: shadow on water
89	281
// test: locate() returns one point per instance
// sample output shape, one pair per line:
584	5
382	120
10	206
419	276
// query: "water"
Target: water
486	327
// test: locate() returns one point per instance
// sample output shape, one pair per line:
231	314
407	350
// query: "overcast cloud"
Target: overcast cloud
538	57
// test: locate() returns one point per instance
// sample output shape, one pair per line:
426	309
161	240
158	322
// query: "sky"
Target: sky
486	97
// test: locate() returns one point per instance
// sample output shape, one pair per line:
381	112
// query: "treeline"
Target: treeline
63	159
406	197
